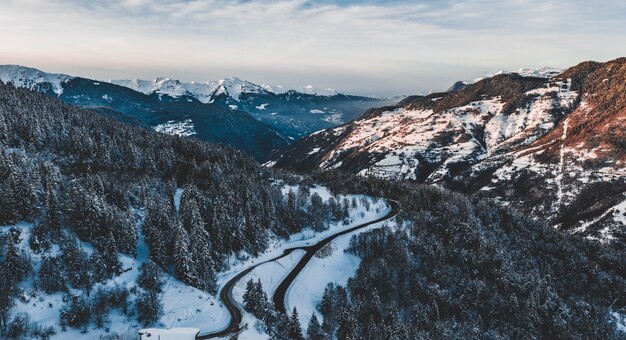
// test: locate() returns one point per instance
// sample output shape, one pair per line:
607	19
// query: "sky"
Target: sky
363	47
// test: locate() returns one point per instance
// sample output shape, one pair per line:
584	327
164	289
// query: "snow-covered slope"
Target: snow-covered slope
546	144
33	79
206	92
544	72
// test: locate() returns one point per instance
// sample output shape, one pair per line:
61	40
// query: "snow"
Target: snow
167	86
309	89
177	196
620	320
544	72
308	287
269	164
277	89
31	78
397	139
180	333
617	214
337	267
314	151
183	128
316	111
335	118
559	177
185	306
206	92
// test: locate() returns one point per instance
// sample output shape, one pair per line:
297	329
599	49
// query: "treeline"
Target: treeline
464	268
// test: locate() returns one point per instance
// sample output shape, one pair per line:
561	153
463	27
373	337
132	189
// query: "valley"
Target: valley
109	227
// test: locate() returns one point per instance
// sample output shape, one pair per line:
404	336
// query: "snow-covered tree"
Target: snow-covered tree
294	329
183	260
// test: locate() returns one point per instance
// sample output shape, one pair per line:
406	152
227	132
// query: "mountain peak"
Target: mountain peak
32	78
310	89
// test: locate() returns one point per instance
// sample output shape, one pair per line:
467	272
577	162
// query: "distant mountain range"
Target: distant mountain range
255	118
293	113
547	141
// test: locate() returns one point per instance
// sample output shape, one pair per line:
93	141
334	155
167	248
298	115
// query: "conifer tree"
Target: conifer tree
14	267
183	262
314	330
294	329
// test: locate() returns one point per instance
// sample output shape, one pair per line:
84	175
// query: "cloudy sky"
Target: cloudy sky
356	46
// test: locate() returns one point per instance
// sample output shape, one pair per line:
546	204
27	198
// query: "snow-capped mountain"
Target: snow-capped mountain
33	79
189	117
206	92
203	92
293	112
544	72
271	117
536	139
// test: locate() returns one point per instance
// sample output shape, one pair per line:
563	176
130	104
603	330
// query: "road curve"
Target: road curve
226	293
281	291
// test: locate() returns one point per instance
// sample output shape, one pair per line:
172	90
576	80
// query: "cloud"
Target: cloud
361	46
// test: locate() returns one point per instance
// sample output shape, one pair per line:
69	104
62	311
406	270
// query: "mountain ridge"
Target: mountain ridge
540	144
289	113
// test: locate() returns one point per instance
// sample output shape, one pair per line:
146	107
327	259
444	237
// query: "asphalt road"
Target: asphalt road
226	293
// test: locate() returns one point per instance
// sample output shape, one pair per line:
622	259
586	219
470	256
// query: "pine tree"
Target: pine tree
76	312
200	248
51	275
314	331
347	328
183	262
249	303
291	213
124	230
149	304
4	131
52	218
8	207
23	196
153	228
14	267
294	329
7	290
109	250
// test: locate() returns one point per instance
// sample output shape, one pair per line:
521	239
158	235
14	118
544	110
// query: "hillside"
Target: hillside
106	228
547	145
255	118
115	224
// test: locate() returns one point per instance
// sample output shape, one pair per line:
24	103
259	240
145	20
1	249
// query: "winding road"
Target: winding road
226	293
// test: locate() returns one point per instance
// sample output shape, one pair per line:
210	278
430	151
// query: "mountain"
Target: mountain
230	111
294	113
33	79
188	117
95	212
108	227
544	72
549	144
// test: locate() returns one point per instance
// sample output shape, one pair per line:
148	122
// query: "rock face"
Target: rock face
553	146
